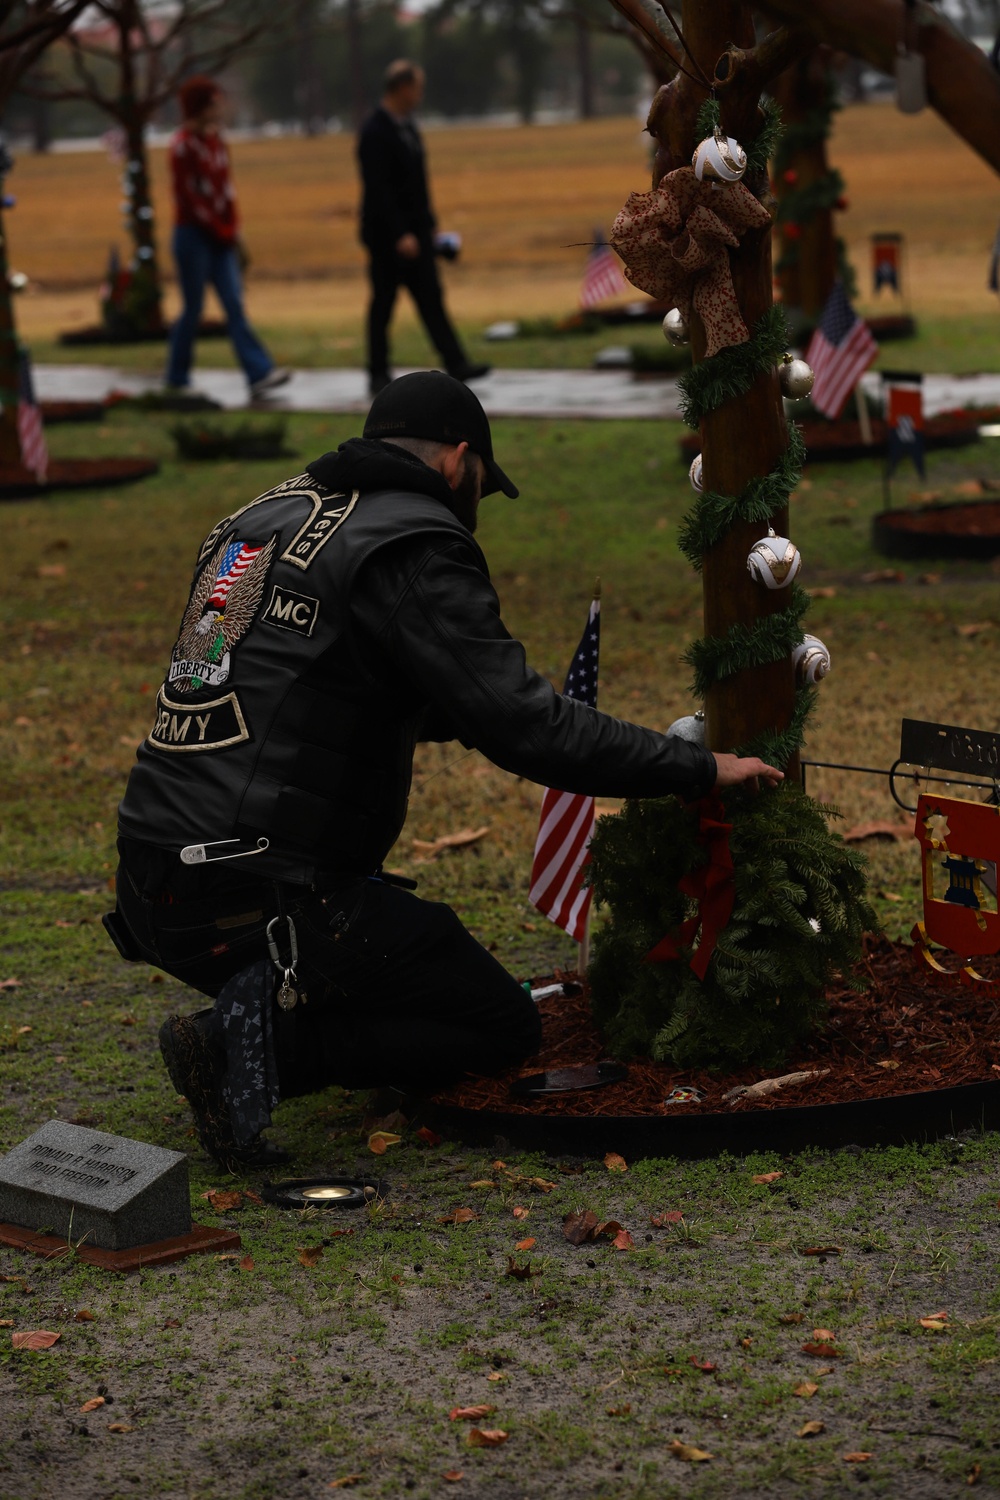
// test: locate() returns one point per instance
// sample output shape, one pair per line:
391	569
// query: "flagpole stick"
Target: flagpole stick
583	952
864	418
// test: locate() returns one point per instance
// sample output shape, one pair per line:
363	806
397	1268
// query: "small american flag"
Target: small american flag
840	351
235	561
603	276
30	435
562	849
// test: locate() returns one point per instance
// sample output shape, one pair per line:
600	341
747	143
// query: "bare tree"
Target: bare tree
128	60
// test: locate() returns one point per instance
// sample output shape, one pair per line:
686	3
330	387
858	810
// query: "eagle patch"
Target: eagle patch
223	603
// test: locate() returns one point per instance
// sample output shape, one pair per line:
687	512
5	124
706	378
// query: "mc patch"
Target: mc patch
328	515
224	600
190	727
291	611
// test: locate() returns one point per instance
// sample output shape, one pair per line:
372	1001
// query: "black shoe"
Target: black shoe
197	1064
470	371
378	383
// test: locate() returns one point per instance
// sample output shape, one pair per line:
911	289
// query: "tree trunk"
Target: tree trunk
10	445
584	67
356	62
143	309
807	263
743	438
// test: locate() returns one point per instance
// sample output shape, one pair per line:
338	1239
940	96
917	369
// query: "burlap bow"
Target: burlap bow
674	242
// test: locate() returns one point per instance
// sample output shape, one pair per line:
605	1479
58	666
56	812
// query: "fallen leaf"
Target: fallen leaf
13	984
496	1375
824	1335
7	1322
791	1318
826	592
884	575
83	1316
935	1325
246	1264
528	1244
826	1350
580	1227
37	1338
974	628
483	1182
224	1201
460	1216
541	1183
487	1437
615	1163
973	1475
889	1063
856	1458
52	570
767	1177
379	1140
469	1413
705	1367
309	1254
227	1257
928	578
429	849
811	1429
428	1136
672	1216
822	1250
806	1389
453	1475
619	1411
529	926
120	1427
93	1403
173	1323
345	1483
689	1454
520	1273
878	828
623	1240
521	1213
23	1030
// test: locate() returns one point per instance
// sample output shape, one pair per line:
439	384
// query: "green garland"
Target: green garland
799	205
732	371
769	639
713	515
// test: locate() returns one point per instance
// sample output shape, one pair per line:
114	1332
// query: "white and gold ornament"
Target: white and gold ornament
795	377
774	561
675	329
719	158
691	727
811	660
696	475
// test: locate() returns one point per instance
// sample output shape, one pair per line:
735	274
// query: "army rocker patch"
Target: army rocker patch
223	602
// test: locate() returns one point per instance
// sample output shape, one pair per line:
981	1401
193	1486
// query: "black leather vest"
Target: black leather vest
274	720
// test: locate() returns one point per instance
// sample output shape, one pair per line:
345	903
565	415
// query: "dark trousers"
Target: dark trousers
398	992
388	272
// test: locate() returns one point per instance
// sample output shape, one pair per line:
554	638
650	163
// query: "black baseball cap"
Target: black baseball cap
436	406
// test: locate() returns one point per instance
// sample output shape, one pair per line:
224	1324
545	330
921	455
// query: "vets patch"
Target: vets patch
291	611
207	726
301	484
328	514
223	603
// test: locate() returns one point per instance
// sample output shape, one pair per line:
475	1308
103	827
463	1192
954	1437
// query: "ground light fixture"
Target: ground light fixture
324	1192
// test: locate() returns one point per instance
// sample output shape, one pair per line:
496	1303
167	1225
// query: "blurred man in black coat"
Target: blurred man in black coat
397	227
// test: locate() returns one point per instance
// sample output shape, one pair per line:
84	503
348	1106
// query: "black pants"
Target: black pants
388	271
399	993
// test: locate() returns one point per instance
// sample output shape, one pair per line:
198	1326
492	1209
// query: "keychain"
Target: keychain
288	996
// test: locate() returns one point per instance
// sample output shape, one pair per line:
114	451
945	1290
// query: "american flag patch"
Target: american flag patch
235	560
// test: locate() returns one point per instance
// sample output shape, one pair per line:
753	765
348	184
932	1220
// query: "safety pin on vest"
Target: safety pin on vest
197	854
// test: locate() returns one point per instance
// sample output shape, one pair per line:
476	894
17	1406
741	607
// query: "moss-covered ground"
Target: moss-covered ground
233	1381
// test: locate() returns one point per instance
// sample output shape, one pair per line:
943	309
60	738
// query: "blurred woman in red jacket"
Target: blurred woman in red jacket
206	242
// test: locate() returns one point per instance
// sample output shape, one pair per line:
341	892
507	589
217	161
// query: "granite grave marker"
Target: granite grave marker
112	1192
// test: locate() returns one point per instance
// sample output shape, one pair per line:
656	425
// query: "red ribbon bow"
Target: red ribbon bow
712	885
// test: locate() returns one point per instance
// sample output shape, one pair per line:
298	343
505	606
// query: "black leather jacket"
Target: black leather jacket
332	623
395	196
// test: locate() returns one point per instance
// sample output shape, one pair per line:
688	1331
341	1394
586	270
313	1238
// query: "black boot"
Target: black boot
196	1064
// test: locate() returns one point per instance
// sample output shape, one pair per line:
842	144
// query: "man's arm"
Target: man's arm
377	158
438	618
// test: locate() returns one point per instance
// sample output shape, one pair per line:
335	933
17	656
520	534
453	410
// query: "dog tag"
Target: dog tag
288	996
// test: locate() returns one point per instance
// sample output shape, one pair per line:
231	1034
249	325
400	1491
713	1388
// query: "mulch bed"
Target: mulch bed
835	441
940	1036
18	483
97	333
71	411
969	529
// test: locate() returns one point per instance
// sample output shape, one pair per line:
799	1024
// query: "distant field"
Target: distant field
524	199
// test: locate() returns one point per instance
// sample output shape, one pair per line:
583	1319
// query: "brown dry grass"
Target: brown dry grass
522	198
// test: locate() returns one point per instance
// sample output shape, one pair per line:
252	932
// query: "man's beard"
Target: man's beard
465	497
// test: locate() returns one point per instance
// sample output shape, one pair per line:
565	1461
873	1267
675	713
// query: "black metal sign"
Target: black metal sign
949	748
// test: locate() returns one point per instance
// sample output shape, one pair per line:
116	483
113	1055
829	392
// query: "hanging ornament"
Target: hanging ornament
773	561
811	660
720	158
147	213
696	475
796	377
17	281
675	328
691	727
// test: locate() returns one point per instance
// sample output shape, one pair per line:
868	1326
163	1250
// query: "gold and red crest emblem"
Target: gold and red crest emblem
960	856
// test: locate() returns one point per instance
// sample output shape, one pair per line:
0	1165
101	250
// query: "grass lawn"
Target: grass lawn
236	1383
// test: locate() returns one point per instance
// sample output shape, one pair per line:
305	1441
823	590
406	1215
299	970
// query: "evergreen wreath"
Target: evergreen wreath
799	910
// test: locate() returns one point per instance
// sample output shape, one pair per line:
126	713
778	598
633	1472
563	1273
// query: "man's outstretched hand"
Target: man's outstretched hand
736	770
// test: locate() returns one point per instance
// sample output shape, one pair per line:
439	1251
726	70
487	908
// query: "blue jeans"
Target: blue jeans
200	260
